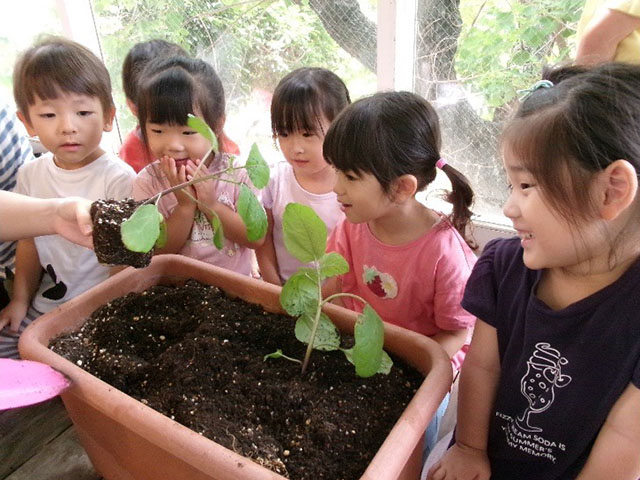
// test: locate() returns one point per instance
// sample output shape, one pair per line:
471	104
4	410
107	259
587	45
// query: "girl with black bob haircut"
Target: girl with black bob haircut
170	90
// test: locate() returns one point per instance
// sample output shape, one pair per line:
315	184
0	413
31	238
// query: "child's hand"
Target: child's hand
177	175
205	190
13	314
461	462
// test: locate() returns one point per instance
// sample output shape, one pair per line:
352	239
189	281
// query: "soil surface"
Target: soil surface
107	216
196	356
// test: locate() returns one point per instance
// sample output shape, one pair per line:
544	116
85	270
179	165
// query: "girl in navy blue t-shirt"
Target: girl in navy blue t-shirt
550	388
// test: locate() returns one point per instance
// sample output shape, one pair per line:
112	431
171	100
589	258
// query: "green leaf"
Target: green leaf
277	354
385	364
141	230
203	129
257	168
252	213
300	292
332	264
305	234
163	236
369	336
218	233
327	335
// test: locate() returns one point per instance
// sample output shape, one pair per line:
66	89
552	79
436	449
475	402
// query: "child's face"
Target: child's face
361	197
70	126
303	150
548	240
179	142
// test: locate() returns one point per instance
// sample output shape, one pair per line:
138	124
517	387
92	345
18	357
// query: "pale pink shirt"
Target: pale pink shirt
199	245
417	286
283	189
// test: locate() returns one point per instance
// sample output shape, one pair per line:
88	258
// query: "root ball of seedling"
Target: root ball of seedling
107	216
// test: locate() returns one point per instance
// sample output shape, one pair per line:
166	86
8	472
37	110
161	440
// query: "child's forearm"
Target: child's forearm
267	261
478	386
179	226
615	452
451	340
28	272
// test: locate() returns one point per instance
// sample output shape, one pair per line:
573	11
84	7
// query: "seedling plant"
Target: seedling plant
146	228
305	237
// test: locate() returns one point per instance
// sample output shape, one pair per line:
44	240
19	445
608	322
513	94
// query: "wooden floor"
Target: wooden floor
39	443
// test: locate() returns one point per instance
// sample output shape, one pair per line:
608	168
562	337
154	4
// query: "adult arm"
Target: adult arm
615	452
25	217
467	459
602	35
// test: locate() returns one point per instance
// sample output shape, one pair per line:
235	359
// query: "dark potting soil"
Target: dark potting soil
196	356
106	217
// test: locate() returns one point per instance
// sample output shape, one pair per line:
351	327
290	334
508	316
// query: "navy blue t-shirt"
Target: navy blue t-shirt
561	371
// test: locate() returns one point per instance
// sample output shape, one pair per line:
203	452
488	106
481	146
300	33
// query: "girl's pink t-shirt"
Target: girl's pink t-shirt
418	286
200	245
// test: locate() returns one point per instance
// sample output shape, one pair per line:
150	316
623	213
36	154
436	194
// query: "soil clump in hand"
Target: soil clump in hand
107	216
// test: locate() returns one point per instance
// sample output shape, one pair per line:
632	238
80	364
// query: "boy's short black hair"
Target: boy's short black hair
55	65
139	56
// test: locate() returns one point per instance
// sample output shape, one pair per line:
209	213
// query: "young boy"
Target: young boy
63	95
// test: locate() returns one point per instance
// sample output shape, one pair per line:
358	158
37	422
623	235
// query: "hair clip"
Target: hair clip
536	86
441	163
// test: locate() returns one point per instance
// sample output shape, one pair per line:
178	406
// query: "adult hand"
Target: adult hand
72	220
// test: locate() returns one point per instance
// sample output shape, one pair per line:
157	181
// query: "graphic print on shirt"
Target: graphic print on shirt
543	376
381	284
544	373
202	231
59	290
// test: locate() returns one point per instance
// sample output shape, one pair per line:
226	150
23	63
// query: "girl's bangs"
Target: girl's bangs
349	144
290	117
169	98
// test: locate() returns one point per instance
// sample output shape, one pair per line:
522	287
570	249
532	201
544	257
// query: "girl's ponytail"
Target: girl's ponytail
461	197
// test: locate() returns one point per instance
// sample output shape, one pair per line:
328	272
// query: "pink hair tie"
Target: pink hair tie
441	163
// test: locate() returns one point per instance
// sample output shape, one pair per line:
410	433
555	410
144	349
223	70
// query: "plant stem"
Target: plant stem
186	184
314	329
291	359
337	295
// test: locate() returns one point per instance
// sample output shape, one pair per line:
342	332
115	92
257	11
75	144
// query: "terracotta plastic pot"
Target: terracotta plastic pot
128	440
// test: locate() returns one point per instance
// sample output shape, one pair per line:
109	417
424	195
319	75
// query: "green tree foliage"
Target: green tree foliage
251	44
503	45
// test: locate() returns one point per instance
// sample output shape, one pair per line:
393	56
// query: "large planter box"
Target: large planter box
128	440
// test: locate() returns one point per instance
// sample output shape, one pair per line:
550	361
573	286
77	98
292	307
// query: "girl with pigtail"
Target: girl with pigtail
409	262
